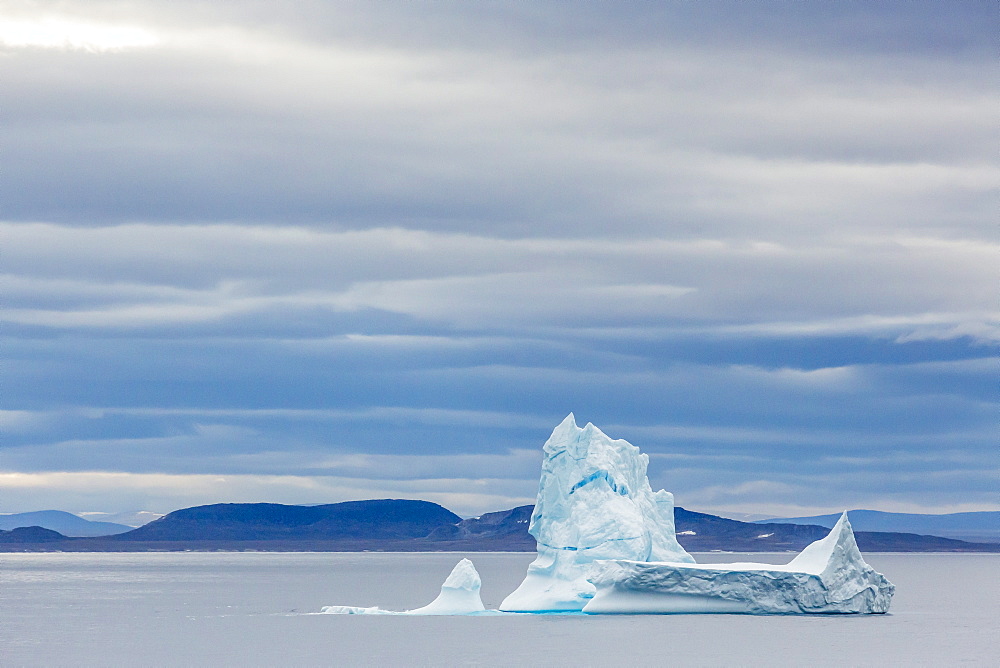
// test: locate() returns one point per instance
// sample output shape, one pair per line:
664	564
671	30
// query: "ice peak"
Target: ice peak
463	576
566	427
459	593
838	547
594	502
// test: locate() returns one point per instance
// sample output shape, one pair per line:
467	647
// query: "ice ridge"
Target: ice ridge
594	503
828	576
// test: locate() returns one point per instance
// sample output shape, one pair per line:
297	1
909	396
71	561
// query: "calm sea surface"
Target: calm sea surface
252	609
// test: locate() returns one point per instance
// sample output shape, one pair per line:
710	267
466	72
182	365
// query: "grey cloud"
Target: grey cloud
331	239
957	30
164	492
639	140
142	276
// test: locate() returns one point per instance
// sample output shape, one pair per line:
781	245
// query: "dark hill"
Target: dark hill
505	530
417	526
368	520
981	526
894	541
701	532
65	523
697	532
30	535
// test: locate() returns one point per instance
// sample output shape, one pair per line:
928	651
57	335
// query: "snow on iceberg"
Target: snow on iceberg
459	596
828	576
594	503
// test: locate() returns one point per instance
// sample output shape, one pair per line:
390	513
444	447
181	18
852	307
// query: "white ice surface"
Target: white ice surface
828	576
607	544
594	503
459	593
459	596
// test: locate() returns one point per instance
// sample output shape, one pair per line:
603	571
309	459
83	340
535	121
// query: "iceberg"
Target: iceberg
828	576
594	503
459	593
607	545
459	596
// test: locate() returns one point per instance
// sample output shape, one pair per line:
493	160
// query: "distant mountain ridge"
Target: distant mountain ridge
421	526
701	532
369	520
130	518
981	526
506	529
65	523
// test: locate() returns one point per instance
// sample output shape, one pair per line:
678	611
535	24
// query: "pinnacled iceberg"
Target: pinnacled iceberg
607	544
459	593
594	503
828	576
459	596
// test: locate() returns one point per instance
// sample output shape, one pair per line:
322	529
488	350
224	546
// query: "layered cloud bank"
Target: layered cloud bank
338	251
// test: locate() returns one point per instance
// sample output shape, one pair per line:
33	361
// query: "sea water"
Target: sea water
258	609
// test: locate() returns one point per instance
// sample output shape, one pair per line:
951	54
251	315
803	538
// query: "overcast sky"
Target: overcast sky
319	251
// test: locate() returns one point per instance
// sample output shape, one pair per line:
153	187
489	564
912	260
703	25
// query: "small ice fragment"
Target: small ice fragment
353	610
459	593
459	596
